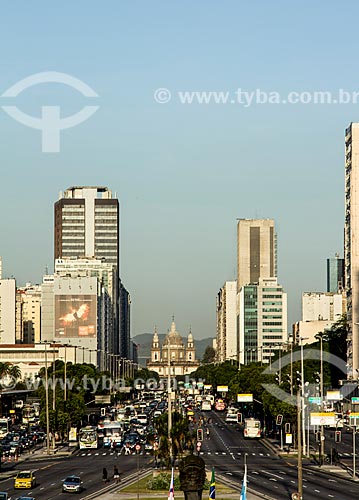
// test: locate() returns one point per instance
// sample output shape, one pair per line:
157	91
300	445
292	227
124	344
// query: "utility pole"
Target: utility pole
169	402
302	395
47	404
322	436
300	465
354	451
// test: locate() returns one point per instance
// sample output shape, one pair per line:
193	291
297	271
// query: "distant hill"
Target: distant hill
144	342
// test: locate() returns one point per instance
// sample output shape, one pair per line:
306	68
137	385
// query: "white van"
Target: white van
206	406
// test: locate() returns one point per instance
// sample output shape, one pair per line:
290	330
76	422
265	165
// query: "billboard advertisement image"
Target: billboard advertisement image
75	316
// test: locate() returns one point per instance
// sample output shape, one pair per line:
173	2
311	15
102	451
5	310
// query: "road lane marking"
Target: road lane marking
271	474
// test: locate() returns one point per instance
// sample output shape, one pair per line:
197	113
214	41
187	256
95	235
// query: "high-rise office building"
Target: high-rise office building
226	341
335	274
262	320
351	246
87	224
256	250
7	310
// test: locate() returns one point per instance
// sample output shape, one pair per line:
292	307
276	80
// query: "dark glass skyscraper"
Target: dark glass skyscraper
335	274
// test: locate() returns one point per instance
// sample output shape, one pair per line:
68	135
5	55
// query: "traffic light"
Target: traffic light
338	436
199	434
239	418
279	419
287	428
103	412
317	436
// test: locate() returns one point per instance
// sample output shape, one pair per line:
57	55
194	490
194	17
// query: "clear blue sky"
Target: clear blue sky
183	173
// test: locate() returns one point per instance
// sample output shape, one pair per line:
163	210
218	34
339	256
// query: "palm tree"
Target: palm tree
15	371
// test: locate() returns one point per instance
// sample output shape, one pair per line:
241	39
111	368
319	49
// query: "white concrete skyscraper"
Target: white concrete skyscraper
256	250
351	245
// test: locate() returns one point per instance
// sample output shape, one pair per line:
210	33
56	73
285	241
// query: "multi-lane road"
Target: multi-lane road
267	473
224	450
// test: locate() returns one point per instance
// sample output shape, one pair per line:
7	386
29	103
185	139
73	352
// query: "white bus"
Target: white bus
88	438
252	428
4	427
112	433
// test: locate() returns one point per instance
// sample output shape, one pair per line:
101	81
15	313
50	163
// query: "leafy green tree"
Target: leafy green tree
209	355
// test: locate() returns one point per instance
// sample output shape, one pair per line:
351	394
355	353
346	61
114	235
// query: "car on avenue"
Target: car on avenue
72	484
25	479
24	498
4	496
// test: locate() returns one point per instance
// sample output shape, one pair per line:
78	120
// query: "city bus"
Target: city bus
252	428
220	405
88	438
112	433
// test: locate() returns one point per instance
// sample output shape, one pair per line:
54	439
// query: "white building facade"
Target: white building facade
8	311
226	319
351	246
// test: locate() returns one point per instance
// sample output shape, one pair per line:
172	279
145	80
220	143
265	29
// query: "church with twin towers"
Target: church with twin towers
251	311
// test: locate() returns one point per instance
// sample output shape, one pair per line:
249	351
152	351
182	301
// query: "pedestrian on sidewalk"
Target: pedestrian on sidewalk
116	474
104	475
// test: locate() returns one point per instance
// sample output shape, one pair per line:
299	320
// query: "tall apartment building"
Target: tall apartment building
28	314
335	274
256	250
262	320
351	246
82	317
87	224
226	319
261	302
87	227
7	311
106	275
124	347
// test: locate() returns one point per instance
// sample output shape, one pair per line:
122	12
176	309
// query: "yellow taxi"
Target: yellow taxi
25	479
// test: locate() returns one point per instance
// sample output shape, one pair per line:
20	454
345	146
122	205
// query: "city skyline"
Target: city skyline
183	172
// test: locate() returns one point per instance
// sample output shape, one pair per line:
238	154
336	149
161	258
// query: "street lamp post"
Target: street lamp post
47	404
302	390
65	375
169	402
300	464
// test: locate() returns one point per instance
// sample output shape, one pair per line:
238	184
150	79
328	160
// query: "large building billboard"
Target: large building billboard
75	316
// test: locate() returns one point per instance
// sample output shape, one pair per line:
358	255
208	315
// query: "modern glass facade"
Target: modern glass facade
335	274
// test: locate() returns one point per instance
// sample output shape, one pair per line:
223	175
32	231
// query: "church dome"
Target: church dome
173	337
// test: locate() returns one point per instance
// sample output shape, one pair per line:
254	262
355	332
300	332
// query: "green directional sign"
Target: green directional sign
355	401
315	400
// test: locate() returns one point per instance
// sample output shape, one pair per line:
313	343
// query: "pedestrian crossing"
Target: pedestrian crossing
218	453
